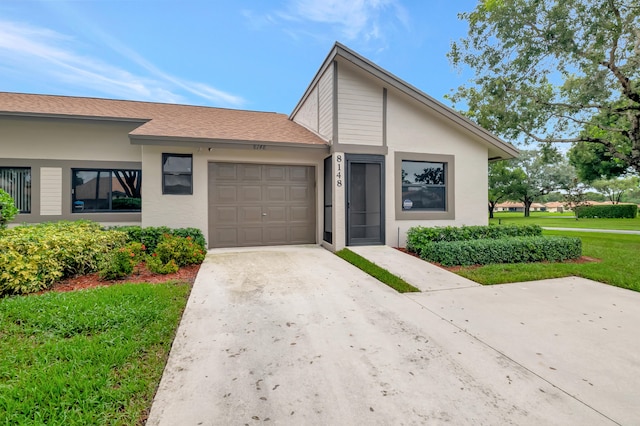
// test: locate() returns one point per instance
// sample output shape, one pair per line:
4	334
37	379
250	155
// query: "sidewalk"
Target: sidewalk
604	231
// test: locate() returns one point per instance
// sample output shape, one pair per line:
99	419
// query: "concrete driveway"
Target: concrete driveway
294	335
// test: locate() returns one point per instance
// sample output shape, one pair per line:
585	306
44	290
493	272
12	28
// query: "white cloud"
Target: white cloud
41	53
363	20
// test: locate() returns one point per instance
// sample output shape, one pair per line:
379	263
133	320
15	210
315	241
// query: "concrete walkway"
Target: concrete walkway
295	335
604	231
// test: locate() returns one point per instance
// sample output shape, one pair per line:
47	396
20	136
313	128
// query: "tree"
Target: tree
575	195
502	182
614	189
592	162
543	172
555	71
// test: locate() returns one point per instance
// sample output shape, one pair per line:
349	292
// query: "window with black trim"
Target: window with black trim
424	186
16	181
106	190
177	174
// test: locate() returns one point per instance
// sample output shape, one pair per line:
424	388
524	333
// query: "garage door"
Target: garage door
261	204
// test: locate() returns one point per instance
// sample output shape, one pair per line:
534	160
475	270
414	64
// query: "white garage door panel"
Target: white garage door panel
261	204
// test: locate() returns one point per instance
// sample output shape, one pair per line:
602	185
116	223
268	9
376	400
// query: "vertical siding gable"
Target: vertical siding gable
325	107
307	115
50	191
360	108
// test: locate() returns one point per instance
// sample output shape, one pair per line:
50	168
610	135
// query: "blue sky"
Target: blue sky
247	54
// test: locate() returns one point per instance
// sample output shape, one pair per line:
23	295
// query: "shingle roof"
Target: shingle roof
167	121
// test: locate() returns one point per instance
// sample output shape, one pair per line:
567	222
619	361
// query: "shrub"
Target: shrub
419	236
126	203
34	257
502	250
121	262
614	211
8	209
151	235
182	250
157	266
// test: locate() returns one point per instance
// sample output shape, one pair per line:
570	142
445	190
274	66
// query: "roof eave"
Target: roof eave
72	116
223	143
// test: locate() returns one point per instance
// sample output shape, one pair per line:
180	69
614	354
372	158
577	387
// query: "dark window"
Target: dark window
424	186
328	199
17	182
98	190
177	174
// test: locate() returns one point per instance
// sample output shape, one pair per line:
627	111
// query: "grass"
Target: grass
381	274
564	220
86	357
618	265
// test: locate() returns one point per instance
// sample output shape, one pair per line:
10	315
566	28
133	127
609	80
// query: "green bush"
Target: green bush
156	265
419	236
614	211
121	262
34	257
8	209
151	235
182	250
501	250
126	203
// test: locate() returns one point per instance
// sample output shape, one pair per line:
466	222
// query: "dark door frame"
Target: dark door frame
364	159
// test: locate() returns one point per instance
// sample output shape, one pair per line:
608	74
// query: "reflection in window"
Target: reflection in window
16	181
423	186
177	174
96	190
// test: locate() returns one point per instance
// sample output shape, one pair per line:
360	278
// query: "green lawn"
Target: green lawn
564	220
381	274
91	357
618	265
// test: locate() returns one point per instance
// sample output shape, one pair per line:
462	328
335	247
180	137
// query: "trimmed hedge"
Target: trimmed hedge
151	235
34	257
419	236
503	250
614	211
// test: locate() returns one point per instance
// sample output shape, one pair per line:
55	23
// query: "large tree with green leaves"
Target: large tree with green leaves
614	189
542	172
503	182
552	71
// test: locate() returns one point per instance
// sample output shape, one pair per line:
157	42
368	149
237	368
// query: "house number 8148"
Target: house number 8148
339	171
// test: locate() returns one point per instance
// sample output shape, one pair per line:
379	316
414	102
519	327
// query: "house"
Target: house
509	206
363	157
555	207
538	207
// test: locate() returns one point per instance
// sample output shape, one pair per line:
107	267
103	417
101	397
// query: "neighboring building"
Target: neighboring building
538	207
555	207
362	158
509	206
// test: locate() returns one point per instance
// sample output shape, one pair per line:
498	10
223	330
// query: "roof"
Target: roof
498	149
160	121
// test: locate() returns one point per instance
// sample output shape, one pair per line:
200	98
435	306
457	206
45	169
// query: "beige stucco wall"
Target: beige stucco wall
58	139
179	211
51	147
411	127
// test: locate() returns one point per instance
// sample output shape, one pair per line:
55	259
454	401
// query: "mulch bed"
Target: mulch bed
140	275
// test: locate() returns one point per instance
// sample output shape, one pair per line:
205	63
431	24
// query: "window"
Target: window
177	175
17	182
106	190
424	186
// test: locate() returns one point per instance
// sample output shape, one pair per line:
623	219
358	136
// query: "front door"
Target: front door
365	199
